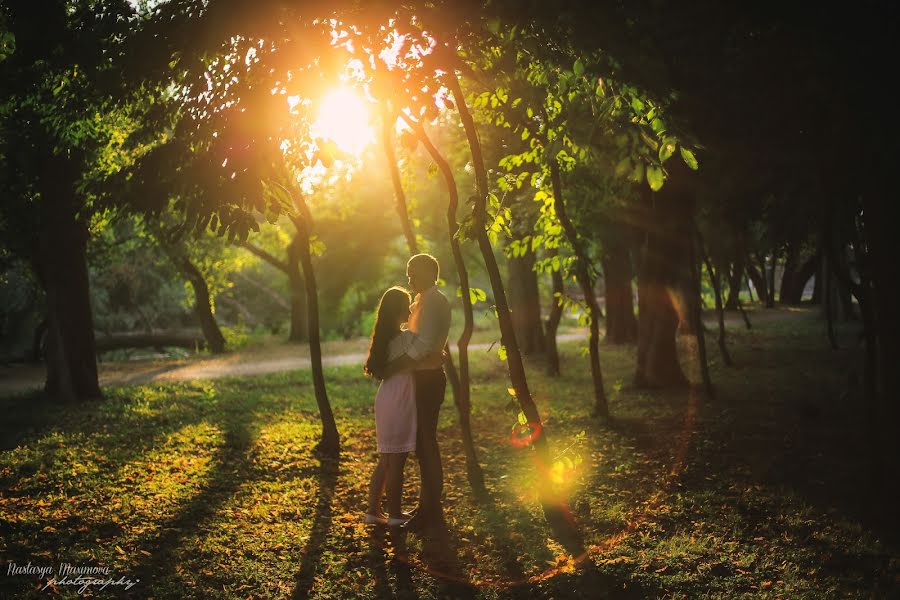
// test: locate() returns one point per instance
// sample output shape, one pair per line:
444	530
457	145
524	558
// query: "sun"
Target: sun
344	119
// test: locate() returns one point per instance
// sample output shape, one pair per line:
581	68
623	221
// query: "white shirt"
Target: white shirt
429	320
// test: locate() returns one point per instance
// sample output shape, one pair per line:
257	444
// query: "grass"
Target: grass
211	489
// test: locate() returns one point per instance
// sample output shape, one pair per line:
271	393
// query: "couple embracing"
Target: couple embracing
406	355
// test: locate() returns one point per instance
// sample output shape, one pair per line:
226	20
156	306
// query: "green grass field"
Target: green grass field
212	490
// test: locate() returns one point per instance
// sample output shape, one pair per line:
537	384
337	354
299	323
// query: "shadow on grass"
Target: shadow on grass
326	476
231	469
398	567
48	433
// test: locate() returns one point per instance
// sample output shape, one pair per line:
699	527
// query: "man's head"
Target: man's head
422	271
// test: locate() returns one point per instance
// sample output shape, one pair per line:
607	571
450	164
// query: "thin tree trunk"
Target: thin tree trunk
788	275
758	278
291	267
299	309
215	341
462	394
387	123
699	330
740	306
828	301
555	509
554	504
330	442
770	292
553	319
582	269
37	341
715	277
817	285
734	282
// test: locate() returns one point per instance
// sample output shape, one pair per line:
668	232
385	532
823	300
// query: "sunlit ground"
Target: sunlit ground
211	489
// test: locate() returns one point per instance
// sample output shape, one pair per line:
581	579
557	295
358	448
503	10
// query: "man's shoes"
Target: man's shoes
384	520
376	519
421	525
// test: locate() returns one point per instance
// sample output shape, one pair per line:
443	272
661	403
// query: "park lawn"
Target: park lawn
212	489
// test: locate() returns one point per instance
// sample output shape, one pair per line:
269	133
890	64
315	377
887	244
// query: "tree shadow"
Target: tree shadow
440	555
398	566
108	430
232	468
327	475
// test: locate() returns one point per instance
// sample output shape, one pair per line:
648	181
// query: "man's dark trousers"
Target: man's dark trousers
430	387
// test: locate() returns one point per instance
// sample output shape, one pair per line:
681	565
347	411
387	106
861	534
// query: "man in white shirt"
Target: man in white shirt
430	321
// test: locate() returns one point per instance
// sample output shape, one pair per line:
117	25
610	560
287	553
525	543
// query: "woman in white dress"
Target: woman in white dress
395	407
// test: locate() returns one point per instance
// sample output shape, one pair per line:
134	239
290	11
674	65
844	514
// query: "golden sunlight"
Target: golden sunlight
344	119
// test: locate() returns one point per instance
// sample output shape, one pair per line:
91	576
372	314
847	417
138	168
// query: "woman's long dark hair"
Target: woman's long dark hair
393	306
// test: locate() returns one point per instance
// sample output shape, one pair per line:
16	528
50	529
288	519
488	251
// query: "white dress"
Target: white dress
395	404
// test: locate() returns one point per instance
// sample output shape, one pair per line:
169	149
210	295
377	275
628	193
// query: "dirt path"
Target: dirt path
23	378
283	357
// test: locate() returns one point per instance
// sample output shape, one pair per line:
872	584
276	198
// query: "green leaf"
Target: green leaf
655	177
657	126
477	294
623	167
637	174
689	159
637	105
666	150
578	68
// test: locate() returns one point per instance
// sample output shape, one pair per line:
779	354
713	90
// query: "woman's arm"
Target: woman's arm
406	363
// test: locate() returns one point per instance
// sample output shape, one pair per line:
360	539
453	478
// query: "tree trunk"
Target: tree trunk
715	276
387	124
621	325
525	303
299	309
60	263
758	278
740	306
202	305
800	278
884	272
699	330
553	319
734	282
770	288
555	508
788	275
462	394
582	269
828	300
291	268
666	249
151	339
330	442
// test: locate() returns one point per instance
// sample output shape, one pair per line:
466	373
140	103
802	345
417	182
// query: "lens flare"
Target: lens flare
344	119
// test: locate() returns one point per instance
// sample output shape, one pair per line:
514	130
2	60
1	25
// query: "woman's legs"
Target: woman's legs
377	483
395	463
